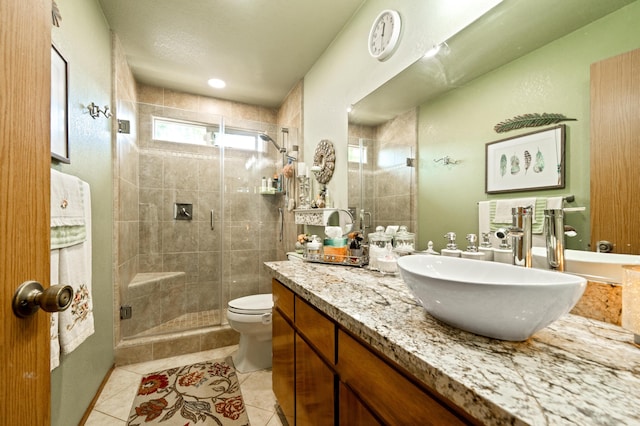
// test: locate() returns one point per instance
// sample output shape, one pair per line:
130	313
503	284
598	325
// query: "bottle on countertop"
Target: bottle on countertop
485	247
452	249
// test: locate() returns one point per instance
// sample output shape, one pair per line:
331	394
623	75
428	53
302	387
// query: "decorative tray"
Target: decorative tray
338	259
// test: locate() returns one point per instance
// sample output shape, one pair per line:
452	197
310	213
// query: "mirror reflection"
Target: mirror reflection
382	174
493	70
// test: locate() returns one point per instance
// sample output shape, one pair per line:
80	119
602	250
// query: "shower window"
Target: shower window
165	129
357	154
189	132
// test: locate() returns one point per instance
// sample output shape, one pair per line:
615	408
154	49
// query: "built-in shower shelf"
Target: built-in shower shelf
269	192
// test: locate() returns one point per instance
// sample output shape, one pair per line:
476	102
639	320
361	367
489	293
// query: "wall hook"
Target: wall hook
446	160
95	111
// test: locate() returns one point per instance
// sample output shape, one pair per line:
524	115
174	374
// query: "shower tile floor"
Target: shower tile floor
114	402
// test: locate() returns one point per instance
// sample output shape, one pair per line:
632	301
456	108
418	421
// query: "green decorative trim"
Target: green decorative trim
530	120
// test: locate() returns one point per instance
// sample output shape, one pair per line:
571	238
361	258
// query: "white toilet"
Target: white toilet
251	317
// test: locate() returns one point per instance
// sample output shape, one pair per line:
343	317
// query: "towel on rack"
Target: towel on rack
55	341
68	224
499	219
71	265
502	212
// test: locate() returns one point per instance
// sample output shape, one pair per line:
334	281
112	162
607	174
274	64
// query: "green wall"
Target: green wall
553	79
84	40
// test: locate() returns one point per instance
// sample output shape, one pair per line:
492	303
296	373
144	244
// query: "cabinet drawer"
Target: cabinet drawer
282	298
394	398
317	328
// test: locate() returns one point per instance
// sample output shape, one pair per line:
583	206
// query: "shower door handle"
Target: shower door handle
281	223
213	226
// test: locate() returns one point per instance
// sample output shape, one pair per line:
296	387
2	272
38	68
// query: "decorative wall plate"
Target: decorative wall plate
325	158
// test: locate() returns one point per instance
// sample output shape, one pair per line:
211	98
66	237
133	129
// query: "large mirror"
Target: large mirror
509	31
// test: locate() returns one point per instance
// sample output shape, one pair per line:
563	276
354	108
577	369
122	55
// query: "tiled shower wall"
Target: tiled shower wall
243	234
395	183
149	177
388	184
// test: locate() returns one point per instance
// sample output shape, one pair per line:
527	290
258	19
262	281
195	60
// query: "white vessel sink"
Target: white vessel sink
606	267
491	299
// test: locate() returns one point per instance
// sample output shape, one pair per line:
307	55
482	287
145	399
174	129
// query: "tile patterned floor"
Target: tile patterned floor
114	403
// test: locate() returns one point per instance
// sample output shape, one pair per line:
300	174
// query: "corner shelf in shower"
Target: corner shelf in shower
270	192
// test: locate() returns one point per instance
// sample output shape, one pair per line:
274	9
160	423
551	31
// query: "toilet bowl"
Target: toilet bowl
251	317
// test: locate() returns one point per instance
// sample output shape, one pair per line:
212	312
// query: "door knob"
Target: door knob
31	296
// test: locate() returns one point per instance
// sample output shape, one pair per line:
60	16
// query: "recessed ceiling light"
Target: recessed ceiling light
216	83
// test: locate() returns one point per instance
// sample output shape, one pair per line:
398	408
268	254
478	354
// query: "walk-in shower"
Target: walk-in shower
187	269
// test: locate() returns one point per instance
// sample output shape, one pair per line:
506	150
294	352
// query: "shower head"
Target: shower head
265	137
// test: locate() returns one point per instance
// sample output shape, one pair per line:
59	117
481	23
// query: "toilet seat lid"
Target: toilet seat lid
252	305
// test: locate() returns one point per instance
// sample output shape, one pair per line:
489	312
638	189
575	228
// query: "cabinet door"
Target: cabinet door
283	366
315	388
352	411
615	144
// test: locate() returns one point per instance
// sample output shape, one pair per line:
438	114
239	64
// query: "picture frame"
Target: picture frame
59	107
531	161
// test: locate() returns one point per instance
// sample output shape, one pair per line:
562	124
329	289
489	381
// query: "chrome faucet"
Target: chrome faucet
554	231
520	231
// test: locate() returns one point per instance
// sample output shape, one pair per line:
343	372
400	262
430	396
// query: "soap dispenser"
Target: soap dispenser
503	254
314	249
485	247
472	250
452	249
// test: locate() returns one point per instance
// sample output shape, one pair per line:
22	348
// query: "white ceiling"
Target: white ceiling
261	48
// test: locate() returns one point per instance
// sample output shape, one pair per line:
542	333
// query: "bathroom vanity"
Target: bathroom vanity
351	346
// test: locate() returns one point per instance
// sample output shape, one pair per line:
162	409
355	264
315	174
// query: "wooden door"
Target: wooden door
25	80
615	149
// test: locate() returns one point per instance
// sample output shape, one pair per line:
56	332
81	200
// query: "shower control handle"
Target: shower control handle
31	296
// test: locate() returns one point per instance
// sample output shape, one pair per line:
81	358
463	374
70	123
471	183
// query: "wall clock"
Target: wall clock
384	34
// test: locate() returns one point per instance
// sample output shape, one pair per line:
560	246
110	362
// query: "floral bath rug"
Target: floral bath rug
206	393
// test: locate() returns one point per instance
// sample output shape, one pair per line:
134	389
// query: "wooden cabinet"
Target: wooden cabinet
283	350
324	376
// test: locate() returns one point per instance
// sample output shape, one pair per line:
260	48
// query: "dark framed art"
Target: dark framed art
526	162
59	107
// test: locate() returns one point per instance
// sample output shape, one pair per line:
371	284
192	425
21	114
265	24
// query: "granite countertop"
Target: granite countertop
575	371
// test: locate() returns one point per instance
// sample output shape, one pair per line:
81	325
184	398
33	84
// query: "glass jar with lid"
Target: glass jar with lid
377	243
404	241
